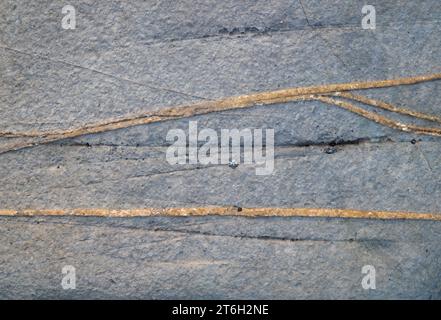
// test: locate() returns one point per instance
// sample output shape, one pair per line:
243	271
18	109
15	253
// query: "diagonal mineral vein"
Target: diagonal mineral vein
237	102
324	93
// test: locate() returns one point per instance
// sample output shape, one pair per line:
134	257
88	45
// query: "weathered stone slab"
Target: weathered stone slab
145	55
211	257
381	176
84	81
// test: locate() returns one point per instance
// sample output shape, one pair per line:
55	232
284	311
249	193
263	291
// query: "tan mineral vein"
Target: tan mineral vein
228	211
320	93
380	119
244	101
387	106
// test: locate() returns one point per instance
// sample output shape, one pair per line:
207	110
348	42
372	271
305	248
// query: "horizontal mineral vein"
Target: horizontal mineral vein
228	211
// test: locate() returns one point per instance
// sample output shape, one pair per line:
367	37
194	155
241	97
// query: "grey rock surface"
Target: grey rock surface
379	176
219	258
126	57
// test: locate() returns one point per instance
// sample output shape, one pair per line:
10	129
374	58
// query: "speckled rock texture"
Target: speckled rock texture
125	57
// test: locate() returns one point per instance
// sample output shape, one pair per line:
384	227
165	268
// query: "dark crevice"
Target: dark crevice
272	238
241	31
372	241
337	142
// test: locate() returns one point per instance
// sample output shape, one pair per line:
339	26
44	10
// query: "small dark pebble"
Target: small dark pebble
413	141
223	30
233	164
330	150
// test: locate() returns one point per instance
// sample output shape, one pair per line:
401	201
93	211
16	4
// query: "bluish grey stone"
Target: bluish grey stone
127	57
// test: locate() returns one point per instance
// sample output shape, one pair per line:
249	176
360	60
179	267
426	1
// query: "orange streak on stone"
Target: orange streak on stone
228	103
228	211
